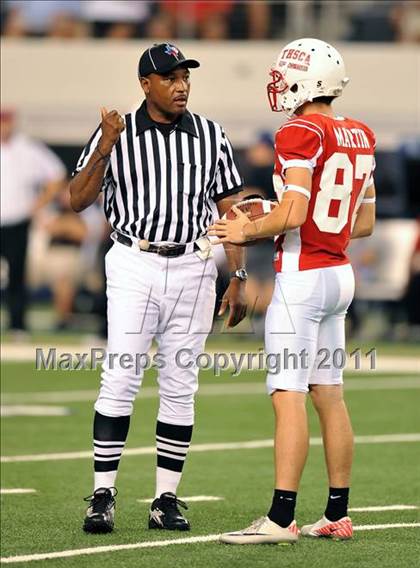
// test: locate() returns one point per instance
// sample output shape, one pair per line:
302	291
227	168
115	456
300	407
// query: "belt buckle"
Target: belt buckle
167	250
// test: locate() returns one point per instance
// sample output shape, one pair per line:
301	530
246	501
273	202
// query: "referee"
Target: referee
161	170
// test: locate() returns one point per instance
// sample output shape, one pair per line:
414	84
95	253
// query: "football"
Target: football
255	208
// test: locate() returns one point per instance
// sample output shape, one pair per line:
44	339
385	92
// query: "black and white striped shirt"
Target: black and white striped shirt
162	188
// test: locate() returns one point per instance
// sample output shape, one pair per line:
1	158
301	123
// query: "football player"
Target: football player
323	179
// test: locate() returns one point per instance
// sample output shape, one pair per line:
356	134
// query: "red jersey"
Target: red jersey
340	153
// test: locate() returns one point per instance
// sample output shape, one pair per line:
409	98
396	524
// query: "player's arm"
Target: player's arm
234	296
86	185
289	214
365	216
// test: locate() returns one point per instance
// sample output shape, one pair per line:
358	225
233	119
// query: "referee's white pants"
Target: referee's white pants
171	299
305	328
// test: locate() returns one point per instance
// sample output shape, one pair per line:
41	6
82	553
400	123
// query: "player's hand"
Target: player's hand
230	231
112	125
234	297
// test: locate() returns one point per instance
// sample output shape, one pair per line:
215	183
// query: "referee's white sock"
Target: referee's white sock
167	481
172	444
104	479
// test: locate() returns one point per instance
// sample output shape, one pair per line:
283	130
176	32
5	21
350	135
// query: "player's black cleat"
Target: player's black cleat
165	514
100	513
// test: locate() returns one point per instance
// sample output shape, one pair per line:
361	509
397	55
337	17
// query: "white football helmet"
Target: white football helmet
305	68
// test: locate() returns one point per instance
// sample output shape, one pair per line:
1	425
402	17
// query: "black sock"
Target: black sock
283	506
172	443
338	500
109	435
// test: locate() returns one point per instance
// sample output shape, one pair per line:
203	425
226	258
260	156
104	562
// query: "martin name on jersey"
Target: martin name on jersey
340	154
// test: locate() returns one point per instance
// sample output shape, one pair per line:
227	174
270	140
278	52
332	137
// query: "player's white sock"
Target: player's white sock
172	444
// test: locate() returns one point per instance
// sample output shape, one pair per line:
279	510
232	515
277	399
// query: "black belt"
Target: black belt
171	250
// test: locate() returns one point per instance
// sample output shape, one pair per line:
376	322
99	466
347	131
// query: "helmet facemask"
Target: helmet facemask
278	86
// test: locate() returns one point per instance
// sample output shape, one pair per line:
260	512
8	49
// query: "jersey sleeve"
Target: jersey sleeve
228	180
299	144
87	151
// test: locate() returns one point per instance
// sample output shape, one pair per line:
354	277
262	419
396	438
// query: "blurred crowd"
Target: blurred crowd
352	20
53	256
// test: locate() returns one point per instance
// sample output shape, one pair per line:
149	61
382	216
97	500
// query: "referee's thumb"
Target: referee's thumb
223	306
104	112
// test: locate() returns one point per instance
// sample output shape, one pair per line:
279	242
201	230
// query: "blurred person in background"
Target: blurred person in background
259	183
259	165
160	26
63	262
254	20
371	21
224	19
26	167
40	18
412	296
117	19
405	17
199	18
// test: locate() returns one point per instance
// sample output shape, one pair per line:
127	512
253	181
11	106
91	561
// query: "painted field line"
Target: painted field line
157	544
234	388
383	508
109	548
250	445
385	526
7	410
16	491
192	499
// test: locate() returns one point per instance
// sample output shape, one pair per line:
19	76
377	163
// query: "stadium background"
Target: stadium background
63	60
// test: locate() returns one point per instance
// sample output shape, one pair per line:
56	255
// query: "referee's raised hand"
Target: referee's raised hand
112	125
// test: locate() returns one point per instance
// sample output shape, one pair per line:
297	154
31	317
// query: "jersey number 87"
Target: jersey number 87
330	190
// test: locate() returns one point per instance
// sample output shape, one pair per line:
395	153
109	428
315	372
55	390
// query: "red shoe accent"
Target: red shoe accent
339	529
293	528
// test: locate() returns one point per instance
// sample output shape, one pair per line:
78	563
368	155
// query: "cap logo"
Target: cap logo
171	50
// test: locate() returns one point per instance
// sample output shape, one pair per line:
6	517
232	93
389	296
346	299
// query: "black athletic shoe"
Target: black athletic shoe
164	514
100	513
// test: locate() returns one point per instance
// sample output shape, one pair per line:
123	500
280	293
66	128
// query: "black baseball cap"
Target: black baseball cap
162	58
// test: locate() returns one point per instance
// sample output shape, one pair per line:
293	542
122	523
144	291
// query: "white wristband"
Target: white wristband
369	200
299	189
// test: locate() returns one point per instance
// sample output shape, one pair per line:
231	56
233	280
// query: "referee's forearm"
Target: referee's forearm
86	185
235	255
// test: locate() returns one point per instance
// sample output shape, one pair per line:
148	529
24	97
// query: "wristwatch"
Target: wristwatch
241	274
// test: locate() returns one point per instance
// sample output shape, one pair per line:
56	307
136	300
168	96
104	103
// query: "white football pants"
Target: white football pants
305	328
170	299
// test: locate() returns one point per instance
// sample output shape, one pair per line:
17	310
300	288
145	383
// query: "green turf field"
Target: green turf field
386	473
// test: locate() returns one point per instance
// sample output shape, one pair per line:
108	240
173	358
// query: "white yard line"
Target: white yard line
192	499
159	543
49	396
16	491
250	445
383	508
32	410
385	526
109	548
234	388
